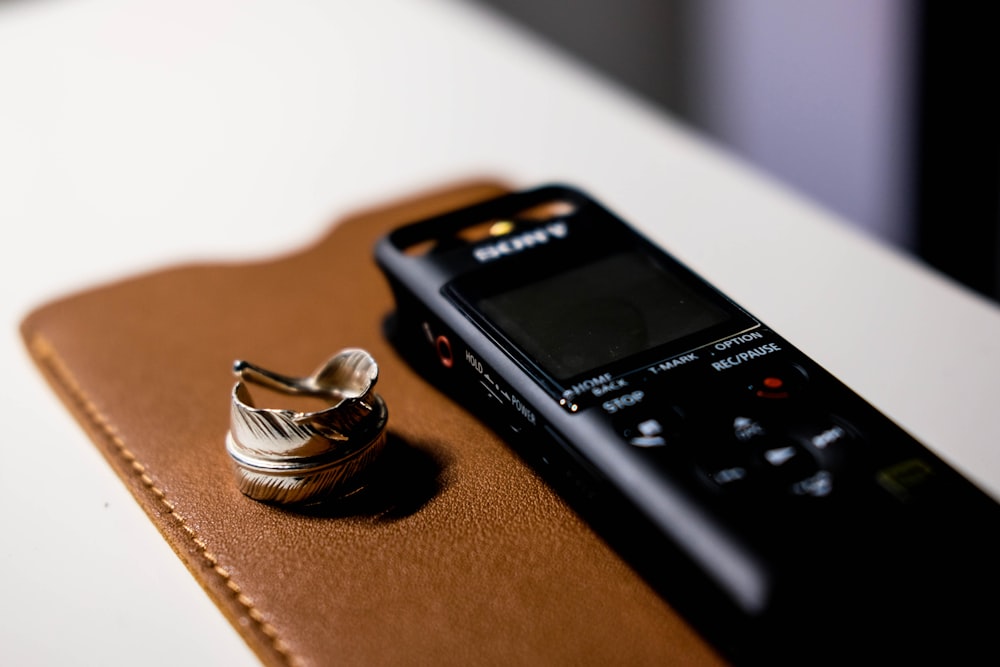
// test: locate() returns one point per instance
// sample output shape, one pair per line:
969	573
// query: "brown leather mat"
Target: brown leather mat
456	554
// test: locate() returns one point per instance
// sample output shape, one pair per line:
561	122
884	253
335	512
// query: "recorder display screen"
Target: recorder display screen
590	316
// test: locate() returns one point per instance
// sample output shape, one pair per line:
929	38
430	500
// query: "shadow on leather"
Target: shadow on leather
403	479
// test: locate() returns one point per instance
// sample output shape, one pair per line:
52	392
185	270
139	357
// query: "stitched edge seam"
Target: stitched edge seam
47	355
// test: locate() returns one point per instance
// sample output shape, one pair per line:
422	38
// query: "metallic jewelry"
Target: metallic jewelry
287	457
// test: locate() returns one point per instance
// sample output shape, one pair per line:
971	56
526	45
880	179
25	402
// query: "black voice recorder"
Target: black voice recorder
786	516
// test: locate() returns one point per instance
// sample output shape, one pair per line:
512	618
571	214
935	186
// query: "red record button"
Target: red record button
778	384
771	387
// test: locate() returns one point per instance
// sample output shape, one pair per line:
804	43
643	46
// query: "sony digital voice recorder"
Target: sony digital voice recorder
790	519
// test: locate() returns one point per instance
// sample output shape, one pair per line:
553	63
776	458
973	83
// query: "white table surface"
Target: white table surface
139	135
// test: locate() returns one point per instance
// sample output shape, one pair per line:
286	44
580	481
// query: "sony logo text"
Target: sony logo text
514	244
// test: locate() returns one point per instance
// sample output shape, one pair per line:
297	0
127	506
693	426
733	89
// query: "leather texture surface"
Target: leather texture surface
456	553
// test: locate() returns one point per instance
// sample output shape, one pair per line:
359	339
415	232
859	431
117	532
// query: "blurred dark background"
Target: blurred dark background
881	110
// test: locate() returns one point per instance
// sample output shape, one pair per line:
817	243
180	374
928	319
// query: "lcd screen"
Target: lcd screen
590	316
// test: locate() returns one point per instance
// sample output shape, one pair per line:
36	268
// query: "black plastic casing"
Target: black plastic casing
789	519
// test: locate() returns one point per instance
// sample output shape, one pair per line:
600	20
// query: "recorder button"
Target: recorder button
650	434
777	382
729	478
818	485
651	430
785	462
828	438
829	435
779	456
747	429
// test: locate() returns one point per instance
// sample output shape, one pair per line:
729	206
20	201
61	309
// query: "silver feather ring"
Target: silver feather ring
289	457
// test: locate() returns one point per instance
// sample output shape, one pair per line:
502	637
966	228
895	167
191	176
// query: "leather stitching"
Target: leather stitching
47	356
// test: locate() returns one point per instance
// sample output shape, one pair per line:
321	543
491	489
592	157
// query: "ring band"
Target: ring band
289	457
